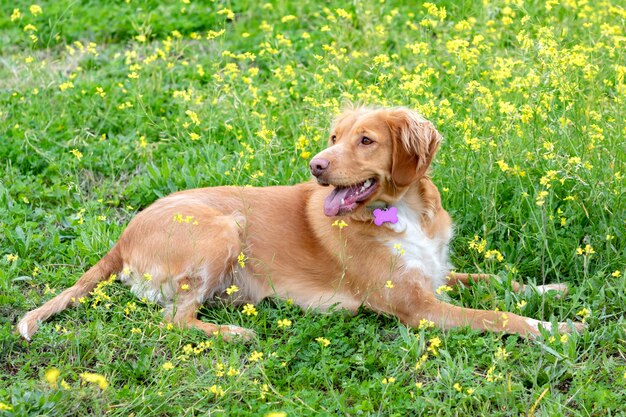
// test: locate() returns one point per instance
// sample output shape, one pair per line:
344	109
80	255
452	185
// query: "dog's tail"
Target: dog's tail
109	264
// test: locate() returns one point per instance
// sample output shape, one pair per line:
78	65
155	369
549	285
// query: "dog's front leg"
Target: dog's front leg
409	298
448	316
455	278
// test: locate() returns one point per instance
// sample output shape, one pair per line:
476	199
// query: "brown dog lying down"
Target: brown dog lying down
183	250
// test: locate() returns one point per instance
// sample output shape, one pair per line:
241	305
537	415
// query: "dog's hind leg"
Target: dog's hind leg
185	315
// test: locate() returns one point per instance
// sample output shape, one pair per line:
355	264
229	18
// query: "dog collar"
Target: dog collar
383	213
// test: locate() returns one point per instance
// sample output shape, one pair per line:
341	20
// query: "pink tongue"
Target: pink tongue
332	204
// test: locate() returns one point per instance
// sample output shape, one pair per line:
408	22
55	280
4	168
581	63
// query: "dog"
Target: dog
368	230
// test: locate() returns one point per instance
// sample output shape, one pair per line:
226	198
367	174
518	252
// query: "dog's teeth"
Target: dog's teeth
367	183
343	201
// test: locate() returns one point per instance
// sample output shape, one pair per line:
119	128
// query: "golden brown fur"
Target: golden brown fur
183	250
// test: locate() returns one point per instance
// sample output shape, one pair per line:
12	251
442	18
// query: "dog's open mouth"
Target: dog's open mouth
344	199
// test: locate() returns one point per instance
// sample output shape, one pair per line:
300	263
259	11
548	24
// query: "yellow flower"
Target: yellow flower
35	9
250	310
399	250
51	376
217	390
241	260
340	224
11	257
501	354
443	288
193	116
421	361
30	28
616	274
147	276
15	15
494	254
584	313
168	366
389	284
78	154
434	345
96	379
64	86
255	356
323	341
521	304
477	244
588	250
135	330
194	136
230	15
425	324
388	380
284	323
232	289
3	406
457	387
184	287
273	414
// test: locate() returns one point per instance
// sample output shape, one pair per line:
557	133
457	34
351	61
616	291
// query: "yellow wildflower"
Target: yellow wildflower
584	313
434	345
323	341
443	288
217	390
250	310
425	324
284	323
96	379
340	224
232	289
255	356
35	9
78	154
51	376
241	260
15	15
501	354
168	366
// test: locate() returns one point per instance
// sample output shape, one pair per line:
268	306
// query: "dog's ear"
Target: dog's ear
415	142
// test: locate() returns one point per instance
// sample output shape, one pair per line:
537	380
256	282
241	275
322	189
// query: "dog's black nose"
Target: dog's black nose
318	166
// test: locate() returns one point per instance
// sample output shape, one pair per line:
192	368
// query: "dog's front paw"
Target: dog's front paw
230	332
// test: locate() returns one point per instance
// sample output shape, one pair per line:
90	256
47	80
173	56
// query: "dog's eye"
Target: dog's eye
366	141
333	139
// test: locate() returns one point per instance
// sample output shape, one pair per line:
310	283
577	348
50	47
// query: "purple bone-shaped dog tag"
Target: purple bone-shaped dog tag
386	215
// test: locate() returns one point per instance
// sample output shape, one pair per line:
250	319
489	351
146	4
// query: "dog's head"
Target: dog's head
373	154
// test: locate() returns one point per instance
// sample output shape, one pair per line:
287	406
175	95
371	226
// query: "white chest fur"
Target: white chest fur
427	254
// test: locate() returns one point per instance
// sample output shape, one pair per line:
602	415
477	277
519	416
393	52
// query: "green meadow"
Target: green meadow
107	106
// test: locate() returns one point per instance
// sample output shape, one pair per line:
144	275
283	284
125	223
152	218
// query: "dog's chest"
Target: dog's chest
417	250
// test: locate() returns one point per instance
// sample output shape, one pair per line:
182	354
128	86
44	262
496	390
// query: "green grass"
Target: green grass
530	97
